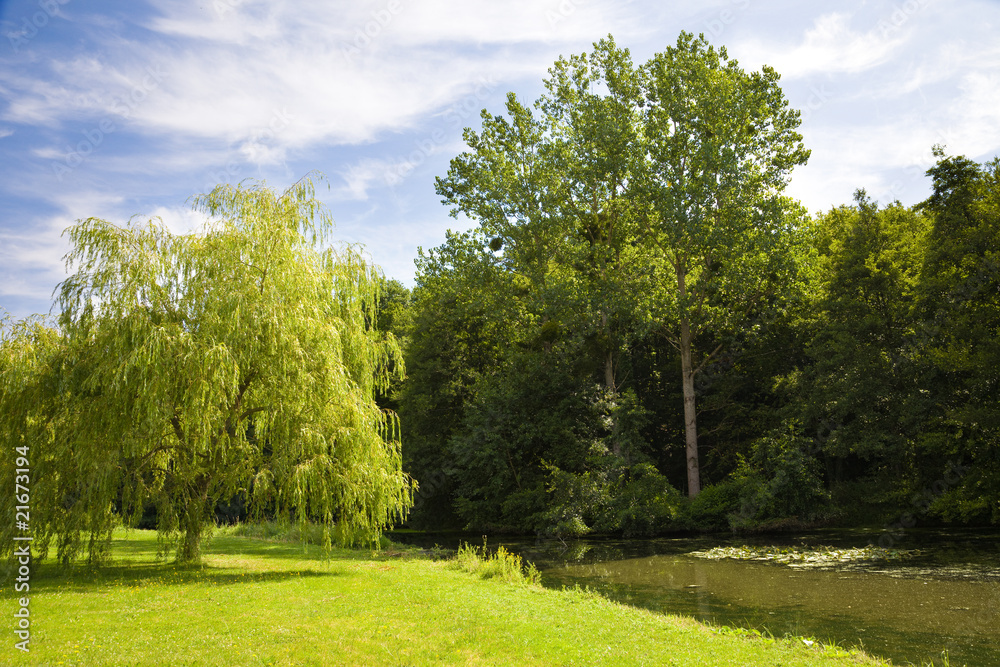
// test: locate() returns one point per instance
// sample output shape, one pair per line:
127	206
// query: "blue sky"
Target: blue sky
114	109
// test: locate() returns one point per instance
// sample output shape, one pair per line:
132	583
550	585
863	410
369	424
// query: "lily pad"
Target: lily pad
806	557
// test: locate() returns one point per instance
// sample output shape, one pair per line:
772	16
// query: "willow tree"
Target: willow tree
720	144
239	359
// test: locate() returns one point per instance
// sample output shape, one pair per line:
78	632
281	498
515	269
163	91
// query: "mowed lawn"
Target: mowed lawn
255	602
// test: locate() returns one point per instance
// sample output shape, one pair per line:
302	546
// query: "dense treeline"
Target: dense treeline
844	365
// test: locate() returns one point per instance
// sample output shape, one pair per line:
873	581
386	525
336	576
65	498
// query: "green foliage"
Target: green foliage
781	481
720	143
778	485
711	509
577	502
900	382
190	368
461	325
625	200
960	307
537	410
643	503
635	501
861	377
500	564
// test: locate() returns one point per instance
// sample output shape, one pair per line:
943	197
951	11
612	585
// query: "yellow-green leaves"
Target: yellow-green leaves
201	364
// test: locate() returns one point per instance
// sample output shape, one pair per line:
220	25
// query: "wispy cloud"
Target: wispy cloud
31	261
345	71
831	45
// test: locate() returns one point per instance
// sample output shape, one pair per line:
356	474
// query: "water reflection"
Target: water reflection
898	617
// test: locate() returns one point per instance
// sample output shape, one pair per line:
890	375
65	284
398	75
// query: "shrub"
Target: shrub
782	483
642	502
710	509
576	502
632	501
500	564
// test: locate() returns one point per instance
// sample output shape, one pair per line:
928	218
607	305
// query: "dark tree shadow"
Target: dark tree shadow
135	562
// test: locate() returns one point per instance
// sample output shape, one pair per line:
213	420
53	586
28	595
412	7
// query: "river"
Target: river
944	600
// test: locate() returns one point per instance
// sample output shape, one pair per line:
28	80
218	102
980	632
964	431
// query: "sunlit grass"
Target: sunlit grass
257	602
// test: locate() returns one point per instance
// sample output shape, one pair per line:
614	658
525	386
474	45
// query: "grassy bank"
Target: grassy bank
256	602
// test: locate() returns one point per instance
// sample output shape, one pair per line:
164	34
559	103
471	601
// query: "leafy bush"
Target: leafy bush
642	502
711	509
576	501
631	501
525	508
782	482
536	411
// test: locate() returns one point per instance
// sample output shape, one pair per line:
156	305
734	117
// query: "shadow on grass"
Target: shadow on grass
51	577
143	546
135	563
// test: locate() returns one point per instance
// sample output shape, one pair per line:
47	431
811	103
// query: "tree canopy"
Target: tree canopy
649	196
188	368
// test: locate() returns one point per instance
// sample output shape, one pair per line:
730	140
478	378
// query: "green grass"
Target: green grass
257	602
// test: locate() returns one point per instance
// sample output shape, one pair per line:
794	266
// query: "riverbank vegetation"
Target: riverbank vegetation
266	602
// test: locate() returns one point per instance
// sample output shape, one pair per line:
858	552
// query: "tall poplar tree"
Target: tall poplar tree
670	173
719	145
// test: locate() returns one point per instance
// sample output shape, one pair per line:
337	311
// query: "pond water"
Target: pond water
946	598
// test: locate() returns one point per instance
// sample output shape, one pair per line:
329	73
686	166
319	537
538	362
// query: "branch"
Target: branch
161	448
708	358
175	421
228	426
252	411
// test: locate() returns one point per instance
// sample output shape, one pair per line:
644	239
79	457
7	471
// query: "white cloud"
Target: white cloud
179	220
32	259
360	177
344	72
829	46
977	115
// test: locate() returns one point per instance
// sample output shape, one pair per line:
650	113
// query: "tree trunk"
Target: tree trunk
193	521
609	372
609	382
190	548
690	419
687	383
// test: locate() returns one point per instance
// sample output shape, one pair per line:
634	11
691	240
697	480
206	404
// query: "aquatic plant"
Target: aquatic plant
804	557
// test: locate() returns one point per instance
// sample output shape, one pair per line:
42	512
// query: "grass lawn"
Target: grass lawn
255	602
